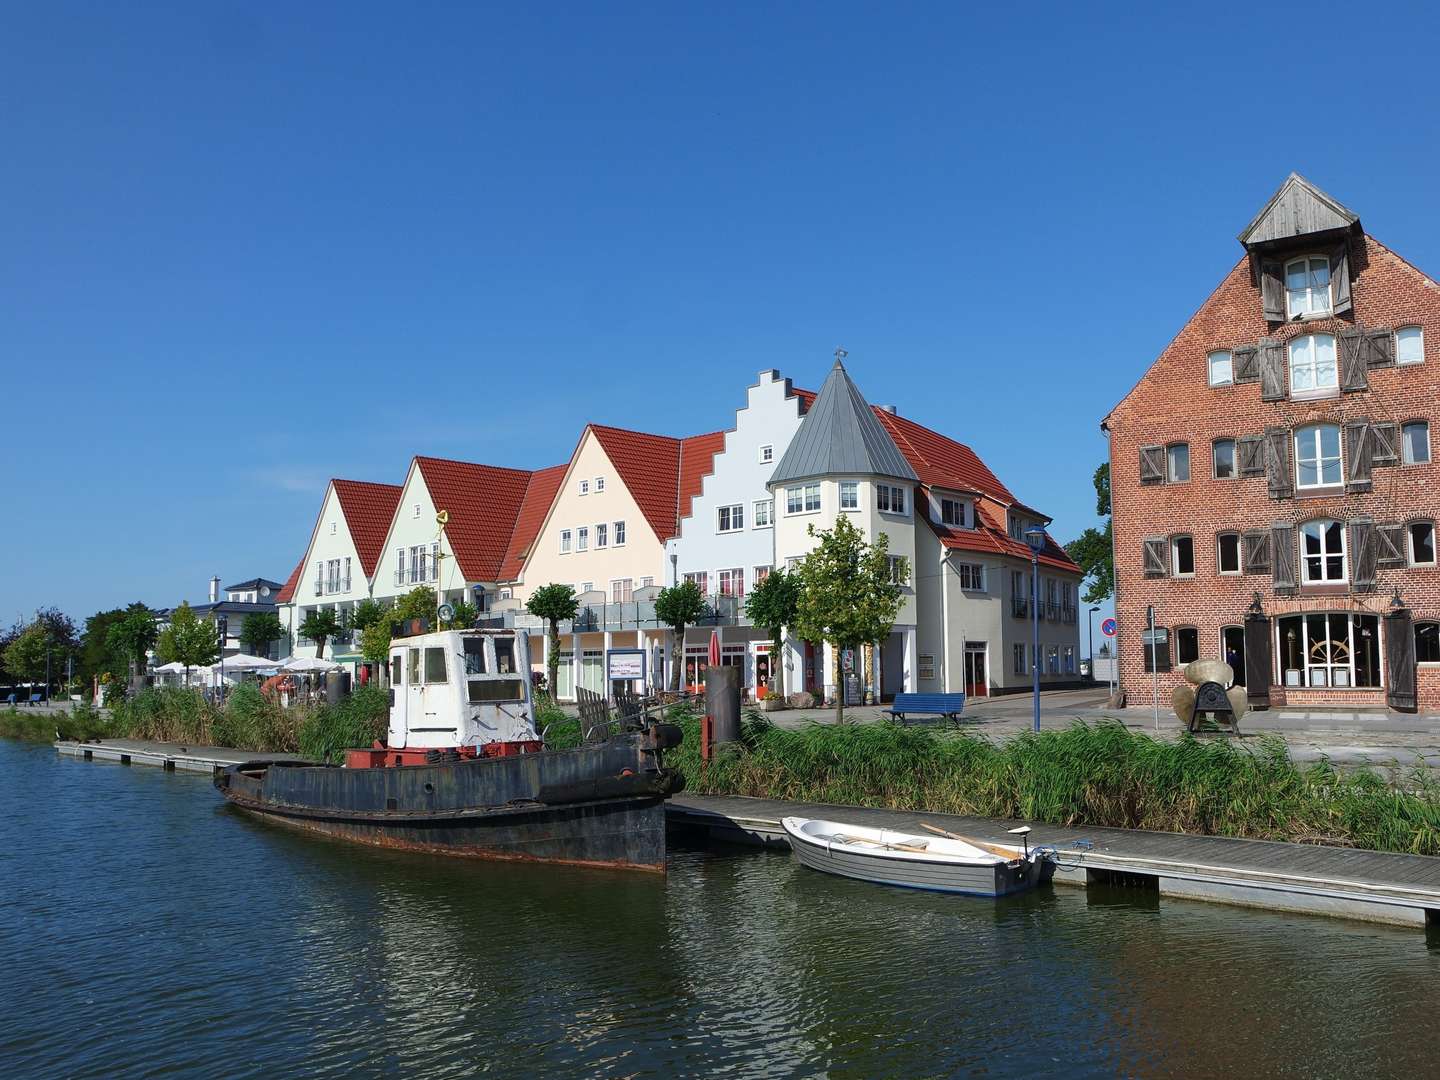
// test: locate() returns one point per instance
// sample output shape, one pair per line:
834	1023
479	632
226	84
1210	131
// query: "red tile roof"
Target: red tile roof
539	494
662	474
368	508
286	594
992	538
484	503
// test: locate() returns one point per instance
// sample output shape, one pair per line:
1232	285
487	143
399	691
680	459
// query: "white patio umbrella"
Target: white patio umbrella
246	662
308	663
172	668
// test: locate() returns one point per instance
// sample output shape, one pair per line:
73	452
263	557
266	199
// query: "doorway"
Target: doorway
1232	648
892	667
977	683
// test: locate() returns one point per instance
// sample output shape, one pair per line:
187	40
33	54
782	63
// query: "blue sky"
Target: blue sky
248	247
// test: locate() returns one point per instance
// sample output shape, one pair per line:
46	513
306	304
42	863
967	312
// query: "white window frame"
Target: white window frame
564	541
1175	570
619	538
1319	457
701	578
1312	364
584	487
602	535
1410	543
625	587
971	576
760	573
767	453
1419	335
736	577
764	514
1239	554
1405	456
582	538
960	514
1234	445
1325	553
895	562
730	518
599	484
1170	471
1308	293
849	495
1222	360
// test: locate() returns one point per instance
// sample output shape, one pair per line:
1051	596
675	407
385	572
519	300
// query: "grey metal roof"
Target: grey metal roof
1297	209
255	583
841	435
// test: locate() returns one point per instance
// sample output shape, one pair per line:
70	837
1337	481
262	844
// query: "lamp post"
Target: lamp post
1035	537
1091	620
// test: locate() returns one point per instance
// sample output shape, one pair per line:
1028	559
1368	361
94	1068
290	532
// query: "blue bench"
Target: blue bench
10	700
949	706
35	699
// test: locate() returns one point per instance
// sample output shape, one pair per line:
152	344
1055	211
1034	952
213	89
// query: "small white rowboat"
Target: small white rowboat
943	861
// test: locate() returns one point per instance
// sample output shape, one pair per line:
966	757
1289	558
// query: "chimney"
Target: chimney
214	590
891	409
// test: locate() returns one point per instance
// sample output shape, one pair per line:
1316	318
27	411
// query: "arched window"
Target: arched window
1312	364
1322	552
1427	642
1307	286
1317	456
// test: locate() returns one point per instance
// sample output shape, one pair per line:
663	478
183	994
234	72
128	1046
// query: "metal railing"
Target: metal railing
625	615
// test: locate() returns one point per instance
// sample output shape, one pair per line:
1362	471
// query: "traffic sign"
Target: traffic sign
1155	637
1108	628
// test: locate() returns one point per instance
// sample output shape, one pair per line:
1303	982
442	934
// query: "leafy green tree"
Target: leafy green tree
95	654
848	593
129	639
259	630
188	640
319	626
26	656
418	603
375	637
772	605
679	606
464	615
1094	549
555	604
367	613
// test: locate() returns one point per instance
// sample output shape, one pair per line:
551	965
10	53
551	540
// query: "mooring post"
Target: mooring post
722	702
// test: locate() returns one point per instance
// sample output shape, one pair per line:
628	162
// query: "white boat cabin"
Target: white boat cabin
458	688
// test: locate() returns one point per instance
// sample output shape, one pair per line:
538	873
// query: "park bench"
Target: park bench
10	700
35	699
947	705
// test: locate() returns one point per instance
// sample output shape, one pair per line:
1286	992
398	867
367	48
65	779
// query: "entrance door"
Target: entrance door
810	661
565	677
762	673
892	666
976	682
1232	647
592	671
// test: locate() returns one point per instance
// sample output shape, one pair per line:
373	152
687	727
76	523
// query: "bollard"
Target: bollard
722	702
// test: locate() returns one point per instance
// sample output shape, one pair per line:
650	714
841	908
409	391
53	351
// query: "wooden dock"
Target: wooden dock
1371	885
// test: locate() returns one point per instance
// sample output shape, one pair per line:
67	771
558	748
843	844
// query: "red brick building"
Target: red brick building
1273	491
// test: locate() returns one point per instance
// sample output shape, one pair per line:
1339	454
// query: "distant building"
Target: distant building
247	598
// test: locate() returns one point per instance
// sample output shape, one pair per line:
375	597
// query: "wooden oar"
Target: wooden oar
842	838
1008	854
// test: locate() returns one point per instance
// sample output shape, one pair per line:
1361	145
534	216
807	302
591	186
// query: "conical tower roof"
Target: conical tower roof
841	436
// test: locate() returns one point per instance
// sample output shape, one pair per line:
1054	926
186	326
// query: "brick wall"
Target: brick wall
1174	403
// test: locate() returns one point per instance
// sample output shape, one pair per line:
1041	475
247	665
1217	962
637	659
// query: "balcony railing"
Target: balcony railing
625	615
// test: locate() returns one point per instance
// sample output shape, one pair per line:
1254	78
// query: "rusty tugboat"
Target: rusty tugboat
464	771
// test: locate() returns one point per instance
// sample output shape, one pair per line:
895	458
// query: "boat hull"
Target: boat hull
599	805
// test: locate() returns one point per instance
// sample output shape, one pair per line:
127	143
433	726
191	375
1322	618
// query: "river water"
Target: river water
150	930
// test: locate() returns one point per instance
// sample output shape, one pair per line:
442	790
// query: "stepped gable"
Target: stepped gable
368	508
484	503
539	494
287	591
697	461
841	436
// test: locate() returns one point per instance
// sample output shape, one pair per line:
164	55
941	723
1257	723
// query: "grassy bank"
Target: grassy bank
1091	774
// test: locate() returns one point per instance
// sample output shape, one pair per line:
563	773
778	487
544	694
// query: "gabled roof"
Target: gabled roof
990	537
483	502
662	474
1299	208
254	583
368	510
539	494
941	461
287	591
841	435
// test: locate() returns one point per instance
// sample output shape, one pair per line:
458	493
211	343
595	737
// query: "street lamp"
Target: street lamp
1035	537
1091	620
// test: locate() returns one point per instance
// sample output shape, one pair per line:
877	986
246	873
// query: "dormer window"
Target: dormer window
952	512
1307	286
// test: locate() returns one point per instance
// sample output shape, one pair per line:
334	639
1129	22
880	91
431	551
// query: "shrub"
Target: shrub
165	714
357	721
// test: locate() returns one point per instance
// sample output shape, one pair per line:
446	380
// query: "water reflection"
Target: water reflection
289	954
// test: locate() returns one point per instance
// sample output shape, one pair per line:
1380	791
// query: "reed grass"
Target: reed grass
1096	774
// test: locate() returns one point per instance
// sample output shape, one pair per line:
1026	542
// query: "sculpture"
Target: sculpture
1211	690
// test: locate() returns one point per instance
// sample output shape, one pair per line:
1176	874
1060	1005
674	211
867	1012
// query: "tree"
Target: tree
129	639
259	630
771	605
1094	549
555	604
463	615
30	654
848	593
96	655
679	606
319	626
379	621
367	613
188	640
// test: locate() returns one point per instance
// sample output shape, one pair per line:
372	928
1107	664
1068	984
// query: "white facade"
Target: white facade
332	575
408	557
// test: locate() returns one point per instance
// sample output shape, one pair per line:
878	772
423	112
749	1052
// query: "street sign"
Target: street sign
1158	636
1108	628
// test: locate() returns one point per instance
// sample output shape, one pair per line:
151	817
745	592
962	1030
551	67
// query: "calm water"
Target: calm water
149	930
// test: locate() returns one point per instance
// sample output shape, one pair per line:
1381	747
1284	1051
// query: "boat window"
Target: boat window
434	664
413	667
474	656
396	668
505	656
483	690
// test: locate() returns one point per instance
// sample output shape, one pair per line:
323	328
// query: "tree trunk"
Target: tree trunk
777	665
839	690
677	657
552	662
319	648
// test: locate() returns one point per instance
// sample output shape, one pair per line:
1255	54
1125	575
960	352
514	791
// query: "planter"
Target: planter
772	704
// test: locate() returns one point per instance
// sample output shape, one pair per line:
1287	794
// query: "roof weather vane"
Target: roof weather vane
840	354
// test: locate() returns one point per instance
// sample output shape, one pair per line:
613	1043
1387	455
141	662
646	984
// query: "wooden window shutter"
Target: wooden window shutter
1257	552
1272	369
1358	449
1340	280
1272	289
1383	440
1390	545
1152	465
1250	455
1353	360
1379	348
1282	555
1278	476
1245	364
1363	552
1155	549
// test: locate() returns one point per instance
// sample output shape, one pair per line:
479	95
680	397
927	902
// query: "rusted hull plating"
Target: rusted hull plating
597	805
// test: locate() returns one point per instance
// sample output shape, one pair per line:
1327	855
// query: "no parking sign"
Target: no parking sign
1108	628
